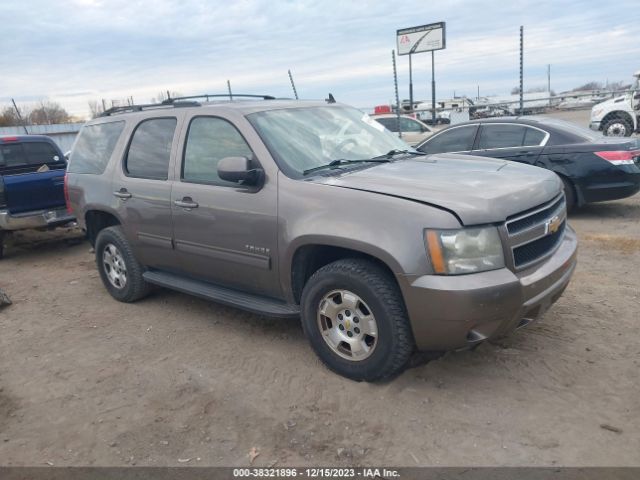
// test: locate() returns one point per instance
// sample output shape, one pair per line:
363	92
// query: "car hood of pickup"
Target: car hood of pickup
477	190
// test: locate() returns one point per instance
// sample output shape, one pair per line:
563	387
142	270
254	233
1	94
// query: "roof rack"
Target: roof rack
179	102
207	96
145	106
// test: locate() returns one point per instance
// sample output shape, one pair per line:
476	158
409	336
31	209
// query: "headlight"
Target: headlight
596	113
468	250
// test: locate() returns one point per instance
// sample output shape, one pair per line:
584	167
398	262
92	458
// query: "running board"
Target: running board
246	301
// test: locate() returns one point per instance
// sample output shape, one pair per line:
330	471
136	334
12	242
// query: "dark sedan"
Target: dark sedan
593	168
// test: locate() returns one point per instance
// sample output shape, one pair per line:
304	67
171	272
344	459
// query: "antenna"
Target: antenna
293	85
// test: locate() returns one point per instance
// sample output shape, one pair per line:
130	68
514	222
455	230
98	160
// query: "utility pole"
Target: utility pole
395	82
478	97
293	85
20	117
549	81
433	89
521	69
410	85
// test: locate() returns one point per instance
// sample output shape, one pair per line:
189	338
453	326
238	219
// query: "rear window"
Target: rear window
150	149
94	147
21	154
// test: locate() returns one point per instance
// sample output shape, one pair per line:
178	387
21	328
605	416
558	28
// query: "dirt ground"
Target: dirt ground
174	380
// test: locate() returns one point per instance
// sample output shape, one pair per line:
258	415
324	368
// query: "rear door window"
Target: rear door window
501	136
533	137
458	139
150	149
94	147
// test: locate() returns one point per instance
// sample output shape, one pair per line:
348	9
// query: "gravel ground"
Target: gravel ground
174	380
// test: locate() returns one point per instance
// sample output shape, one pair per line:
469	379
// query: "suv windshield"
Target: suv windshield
301	139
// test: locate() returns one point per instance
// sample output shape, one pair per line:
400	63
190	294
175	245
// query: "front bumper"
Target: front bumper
594	126
457	312
39	219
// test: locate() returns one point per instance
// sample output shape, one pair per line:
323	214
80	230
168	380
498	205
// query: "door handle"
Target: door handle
122	194
186	203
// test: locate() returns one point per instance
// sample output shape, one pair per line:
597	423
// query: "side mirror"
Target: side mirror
239	170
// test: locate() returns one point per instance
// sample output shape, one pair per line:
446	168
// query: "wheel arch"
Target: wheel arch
97	220
308	257
621	114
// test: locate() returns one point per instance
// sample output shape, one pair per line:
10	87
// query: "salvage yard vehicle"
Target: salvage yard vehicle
32	170
413	130
378	249
592	168
618	116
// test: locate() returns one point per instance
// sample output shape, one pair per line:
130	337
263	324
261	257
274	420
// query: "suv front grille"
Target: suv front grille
537	233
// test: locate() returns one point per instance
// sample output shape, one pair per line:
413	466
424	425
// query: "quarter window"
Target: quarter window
94	147
210	140
533	137
150	149
459	139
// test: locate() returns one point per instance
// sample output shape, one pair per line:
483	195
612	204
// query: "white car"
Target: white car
413	131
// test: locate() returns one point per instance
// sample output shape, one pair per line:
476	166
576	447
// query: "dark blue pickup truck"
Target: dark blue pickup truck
32	170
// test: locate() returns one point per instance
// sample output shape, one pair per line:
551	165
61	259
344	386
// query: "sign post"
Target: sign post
425	38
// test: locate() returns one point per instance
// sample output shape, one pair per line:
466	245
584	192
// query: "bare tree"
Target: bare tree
9	117
48	113
162	96
95	107
589	86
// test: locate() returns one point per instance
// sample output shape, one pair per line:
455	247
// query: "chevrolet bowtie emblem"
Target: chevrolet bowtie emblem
553	225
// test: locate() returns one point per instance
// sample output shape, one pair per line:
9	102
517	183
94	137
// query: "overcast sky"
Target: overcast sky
77	50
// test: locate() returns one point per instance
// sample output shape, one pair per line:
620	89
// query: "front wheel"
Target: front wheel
617	127
355	319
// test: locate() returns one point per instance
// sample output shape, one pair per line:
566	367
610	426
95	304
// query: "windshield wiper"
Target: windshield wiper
341	161
394	152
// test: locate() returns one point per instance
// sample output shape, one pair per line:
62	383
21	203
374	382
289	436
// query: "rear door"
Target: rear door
225	233
516	142
142	187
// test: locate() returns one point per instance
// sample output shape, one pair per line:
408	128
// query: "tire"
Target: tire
378	296
617	127
569	194
112	245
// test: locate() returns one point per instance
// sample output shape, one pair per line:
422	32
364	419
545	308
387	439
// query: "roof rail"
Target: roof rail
207	96
146	106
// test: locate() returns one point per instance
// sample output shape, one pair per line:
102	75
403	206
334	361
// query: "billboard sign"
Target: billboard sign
425	38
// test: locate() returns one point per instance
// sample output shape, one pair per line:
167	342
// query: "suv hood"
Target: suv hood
476	189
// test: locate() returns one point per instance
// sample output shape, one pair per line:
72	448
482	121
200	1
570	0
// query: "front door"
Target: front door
224	233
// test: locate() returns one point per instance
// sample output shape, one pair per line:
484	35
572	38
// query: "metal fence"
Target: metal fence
63	134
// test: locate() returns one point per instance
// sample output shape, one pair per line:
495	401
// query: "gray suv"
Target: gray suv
313	210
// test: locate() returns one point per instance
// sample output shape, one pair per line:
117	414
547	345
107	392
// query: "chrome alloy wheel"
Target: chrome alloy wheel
114	266
617	129
347	325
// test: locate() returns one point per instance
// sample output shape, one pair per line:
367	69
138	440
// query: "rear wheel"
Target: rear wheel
617	127
354	317
119	270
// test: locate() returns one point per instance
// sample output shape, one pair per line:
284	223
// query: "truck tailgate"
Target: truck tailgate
34	191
